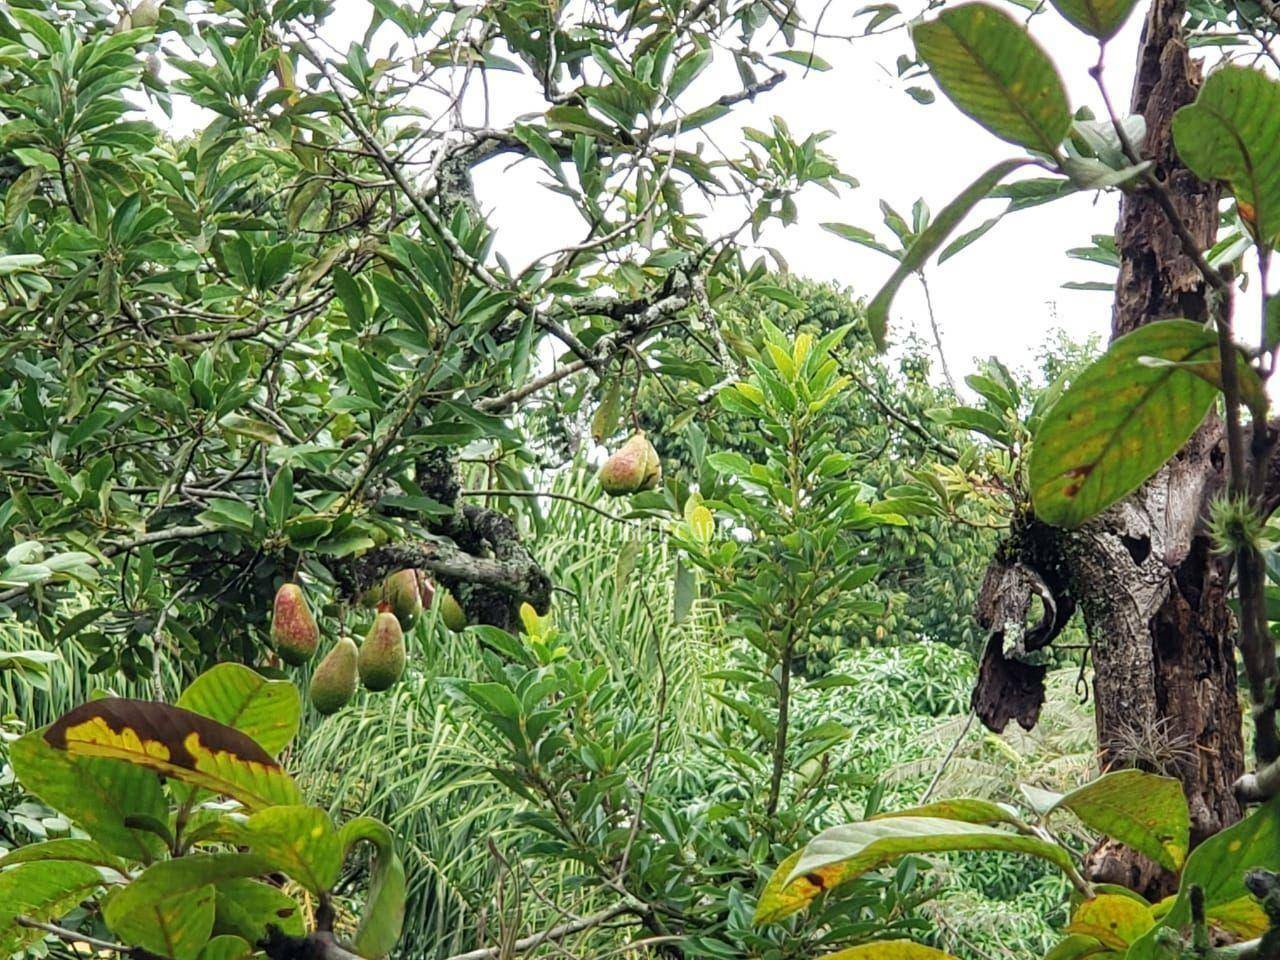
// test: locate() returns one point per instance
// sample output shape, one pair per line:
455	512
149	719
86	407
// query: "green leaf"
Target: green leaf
992	69
98	795
383	916
348	291
1098	18
930	240
269	711
250	428
66	848
42	891
1115	920
841	854
605	421
169	908
1119	421
964	809
16	262
1230	133
227	947
806	58
300	841
1218	866
1077	946
684	591
246	908
280	496
861	236
175	743
1142	810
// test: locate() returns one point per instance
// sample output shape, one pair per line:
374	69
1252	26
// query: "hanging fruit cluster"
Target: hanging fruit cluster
378	662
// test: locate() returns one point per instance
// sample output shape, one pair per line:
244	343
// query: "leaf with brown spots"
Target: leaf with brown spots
176	743
1142	810
169	908
1218	866
1120	420
1113	919
844	853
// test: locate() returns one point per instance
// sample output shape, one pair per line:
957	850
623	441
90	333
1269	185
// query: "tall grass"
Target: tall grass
409	758
67	682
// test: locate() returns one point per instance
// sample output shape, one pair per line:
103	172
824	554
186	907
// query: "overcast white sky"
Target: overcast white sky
1001	296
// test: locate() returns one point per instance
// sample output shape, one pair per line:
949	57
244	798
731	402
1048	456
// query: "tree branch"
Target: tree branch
155	536
518	576
74	936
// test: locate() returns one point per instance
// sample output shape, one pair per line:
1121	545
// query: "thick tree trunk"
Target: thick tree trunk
1151	591
1164	663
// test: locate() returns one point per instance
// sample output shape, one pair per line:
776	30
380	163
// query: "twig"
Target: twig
937	776
73	936
556	934
937	334
586	504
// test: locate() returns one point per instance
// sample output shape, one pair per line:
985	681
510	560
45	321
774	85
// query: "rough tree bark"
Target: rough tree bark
1152	593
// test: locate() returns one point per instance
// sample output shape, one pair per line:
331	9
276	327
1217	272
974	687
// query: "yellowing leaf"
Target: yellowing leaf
844	853
1114	919
44	891
1142	810
889	950
176	743
101	796
1119	421
967	809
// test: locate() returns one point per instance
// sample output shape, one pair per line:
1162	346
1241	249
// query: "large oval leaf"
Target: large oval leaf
44	891
1218	866
1142	810
169	908
101	796
844	853
1230	133
246	908
1120	421
176	743
1098	18
1115	920
989	66
268	711
300	841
